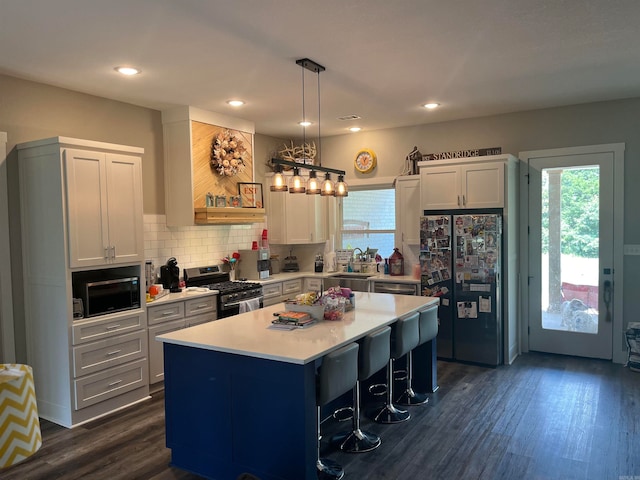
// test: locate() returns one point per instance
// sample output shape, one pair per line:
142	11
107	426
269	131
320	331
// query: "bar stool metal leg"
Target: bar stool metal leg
357	440
389	413
327	469
409	396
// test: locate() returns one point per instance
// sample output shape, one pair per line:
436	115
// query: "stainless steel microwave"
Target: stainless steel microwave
108	296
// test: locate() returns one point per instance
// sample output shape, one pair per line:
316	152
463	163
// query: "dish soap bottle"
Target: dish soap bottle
396	263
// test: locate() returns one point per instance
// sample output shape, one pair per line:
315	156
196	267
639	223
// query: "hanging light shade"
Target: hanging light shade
327	186
278	184
342	190
313	184
296	185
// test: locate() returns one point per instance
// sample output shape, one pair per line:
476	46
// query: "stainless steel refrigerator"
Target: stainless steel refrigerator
460	262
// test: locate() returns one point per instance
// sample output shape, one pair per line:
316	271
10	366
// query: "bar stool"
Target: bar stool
428	327
404	338
375	351
337	374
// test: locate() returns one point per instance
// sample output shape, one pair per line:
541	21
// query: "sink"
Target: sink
358	282
350	275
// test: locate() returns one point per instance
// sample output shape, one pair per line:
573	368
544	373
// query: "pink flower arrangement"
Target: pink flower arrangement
232	260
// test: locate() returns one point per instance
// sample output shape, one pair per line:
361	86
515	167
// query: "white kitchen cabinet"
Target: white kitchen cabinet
88	367
312	284
104	207
296	218
408	211
169	316
477	182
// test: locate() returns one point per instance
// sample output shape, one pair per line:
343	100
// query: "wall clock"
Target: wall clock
365	160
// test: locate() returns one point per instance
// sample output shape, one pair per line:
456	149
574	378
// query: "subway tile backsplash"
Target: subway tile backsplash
195	246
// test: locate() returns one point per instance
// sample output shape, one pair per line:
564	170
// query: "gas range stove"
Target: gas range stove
231	293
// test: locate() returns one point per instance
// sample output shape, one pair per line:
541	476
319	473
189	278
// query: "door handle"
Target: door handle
606	298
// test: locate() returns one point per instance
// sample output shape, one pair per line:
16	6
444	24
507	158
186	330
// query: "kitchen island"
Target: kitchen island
240	396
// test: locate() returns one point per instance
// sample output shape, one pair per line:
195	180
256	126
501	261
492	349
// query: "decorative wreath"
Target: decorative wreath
228	154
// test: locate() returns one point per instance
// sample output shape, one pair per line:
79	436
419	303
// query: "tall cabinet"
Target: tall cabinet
476	183
81	215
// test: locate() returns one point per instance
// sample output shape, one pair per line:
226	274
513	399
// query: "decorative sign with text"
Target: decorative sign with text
478	152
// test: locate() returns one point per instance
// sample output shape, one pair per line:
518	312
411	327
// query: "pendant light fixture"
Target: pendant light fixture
327	186
296	185
313	185
342	190
279	184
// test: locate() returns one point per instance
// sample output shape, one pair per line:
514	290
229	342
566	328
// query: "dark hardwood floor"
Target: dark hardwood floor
544	417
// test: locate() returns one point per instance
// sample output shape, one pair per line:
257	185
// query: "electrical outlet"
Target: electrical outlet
632	249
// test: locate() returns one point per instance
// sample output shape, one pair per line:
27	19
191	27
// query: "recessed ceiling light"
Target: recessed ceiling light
355	129
128	70
431	106
305	123
235	103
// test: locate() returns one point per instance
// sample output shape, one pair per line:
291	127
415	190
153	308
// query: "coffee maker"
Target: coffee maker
170	275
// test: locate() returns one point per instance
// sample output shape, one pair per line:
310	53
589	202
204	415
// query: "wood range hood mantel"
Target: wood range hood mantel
228	216
184	150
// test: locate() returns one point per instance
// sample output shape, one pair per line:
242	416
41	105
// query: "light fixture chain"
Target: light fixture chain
319	137
304	118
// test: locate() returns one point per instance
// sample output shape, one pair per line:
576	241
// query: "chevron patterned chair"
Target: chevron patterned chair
20	435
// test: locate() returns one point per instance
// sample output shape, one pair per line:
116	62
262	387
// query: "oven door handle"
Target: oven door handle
235	304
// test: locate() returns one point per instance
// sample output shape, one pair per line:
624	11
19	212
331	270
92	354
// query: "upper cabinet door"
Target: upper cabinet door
440	187
124	196
483	185
473	185
408	210
87	219
104	208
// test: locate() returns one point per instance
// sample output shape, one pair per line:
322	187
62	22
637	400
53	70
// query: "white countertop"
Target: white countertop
379	277
185	294
249	333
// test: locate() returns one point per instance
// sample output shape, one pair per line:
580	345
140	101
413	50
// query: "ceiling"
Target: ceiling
383	58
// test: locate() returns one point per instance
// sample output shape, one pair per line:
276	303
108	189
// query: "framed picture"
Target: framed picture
235	201
221	201
250	195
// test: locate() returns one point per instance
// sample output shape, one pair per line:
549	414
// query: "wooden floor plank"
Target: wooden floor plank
544	417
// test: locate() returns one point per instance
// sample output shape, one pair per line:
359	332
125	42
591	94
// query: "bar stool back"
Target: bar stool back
428	326
405	335
375	351
337	374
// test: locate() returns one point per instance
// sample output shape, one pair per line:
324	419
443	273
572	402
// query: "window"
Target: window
369	220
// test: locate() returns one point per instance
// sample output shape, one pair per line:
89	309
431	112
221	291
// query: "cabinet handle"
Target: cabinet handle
113	252
202	305
113	384
464	200
168	312
115	352
106	252
458	200
113	327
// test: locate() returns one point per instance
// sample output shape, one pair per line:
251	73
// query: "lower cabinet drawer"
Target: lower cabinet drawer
93	357
272	290
200	305
98	328
110	383
292	286
164	313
